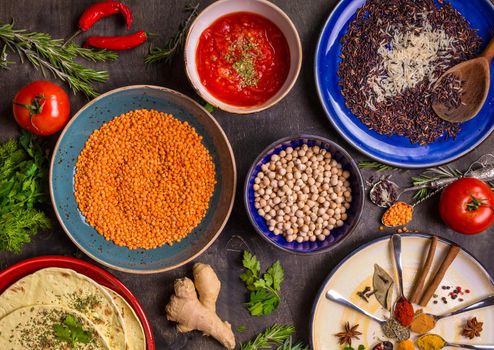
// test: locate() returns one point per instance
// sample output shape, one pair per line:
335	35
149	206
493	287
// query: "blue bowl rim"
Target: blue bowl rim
329	116
232	200
367	244
360	184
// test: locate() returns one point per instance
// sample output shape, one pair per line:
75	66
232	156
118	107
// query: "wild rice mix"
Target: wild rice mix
392	54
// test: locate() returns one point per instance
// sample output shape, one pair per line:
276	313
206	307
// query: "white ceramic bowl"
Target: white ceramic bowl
224	7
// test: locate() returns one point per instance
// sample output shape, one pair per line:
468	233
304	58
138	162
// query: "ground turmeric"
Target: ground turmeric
430	342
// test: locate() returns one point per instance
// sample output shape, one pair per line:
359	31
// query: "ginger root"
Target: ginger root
199	313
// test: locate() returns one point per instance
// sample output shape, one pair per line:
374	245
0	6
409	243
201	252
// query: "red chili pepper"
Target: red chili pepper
104	9
117	43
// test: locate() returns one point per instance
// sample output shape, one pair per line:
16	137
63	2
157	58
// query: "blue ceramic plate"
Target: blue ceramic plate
397	150
72	140
338	234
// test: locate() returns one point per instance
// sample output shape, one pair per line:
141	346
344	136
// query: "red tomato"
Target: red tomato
467	206
41	107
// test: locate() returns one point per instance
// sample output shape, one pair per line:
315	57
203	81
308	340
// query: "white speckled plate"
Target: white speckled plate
355	272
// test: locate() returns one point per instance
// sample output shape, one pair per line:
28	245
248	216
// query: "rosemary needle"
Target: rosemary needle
50	55
157	54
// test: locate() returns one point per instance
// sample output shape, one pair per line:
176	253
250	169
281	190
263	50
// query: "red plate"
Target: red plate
29	266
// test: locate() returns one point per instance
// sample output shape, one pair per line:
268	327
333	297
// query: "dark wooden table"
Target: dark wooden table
299	112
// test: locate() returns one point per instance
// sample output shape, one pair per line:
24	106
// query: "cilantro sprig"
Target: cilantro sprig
72	332
264	291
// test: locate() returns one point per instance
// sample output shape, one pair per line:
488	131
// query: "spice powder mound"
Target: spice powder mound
144	179
391	56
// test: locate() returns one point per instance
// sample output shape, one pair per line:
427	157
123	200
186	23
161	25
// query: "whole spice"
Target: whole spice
23	188
303	193
404	312
349	333
422	323
436	281
383	287
392	54
51	55
472	328
430	342
419	285
117	43
392	329
398	214
144	179
103	9
405	345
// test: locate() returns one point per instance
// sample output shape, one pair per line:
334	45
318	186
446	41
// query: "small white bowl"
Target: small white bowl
224	7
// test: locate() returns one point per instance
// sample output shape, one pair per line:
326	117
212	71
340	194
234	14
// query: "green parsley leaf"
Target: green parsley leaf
361	347
264	297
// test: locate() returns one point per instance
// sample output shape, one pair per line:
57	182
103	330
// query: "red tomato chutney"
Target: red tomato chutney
243	59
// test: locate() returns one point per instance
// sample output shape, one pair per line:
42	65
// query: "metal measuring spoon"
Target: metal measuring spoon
338	298
487	301
467	346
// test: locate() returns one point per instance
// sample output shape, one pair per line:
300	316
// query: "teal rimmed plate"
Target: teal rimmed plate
91	117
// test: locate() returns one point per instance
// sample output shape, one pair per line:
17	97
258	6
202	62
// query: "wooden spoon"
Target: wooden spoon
475	74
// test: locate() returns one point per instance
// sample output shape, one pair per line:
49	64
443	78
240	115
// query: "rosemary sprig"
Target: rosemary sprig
274	335
433	174
49	55
4	62
375	165
166	54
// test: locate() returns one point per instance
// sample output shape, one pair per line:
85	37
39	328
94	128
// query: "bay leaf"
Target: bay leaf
382	284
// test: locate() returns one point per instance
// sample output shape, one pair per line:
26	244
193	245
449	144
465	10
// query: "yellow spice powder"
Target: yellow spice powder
430	342
406	345
422	323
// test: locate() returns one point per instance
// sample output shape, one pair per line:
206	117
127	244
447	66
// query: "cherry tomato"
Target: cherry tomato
467	206
41	107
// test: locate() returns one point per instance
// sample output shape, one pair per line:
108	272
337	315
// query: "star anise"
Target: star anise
472	329
348	334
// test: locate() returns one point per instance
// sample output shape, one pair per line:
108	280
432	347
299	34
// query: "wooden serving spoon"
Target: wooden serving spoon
475	74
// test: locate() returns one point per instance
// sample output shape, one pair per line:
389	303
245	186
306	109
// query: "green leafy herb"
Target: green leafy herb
23	186
375	165
209	107
430	175
288	345
241	328
166	54
48	54
360	347
274	335
72	332
264	292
